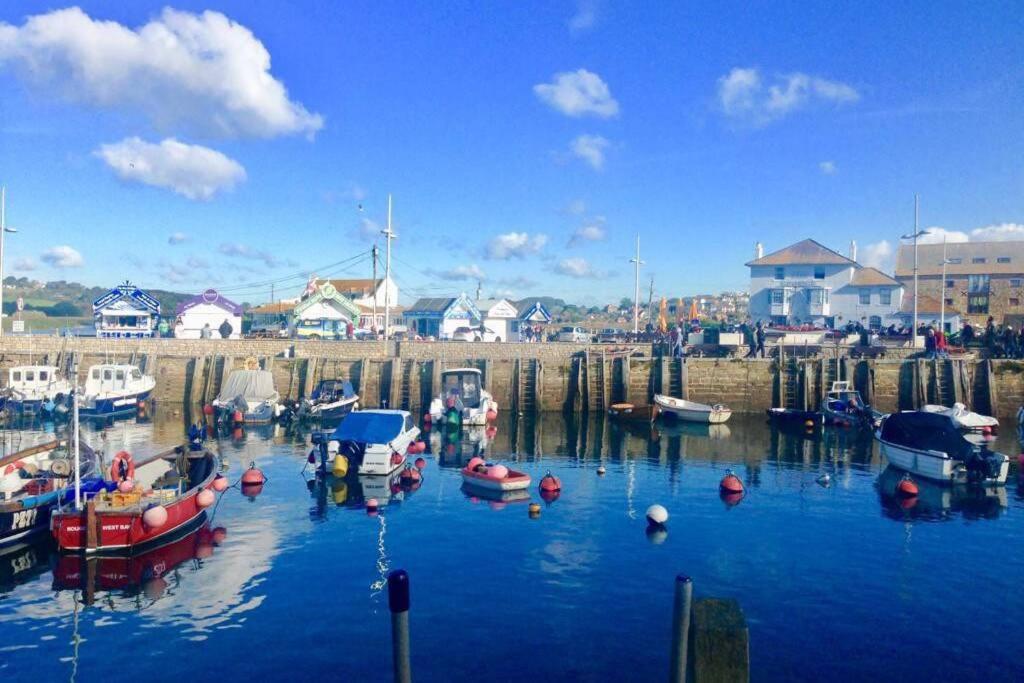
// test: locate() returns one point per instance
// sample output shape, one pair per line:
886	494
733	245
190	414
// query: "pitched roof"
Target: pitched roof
929	259
806	252
432	304
866	276
358	286
273	308
131	295
327	292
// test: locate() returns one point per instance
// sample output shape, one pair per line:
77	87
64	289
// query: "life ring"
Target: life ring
123	458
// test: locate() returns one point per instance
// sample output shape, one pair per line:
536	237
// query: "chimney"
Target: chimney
758	251
853	250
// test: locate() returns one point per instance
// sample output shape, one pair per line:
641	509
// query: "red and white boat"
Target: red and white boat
493	477
163	495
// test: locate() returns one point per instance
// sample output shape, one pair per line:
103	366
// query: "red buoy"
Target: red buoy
208	409
549	496
491	431
409	475
253	476
371	506
907	487
986	430
730	484
420	463
550	483
397	458
238	417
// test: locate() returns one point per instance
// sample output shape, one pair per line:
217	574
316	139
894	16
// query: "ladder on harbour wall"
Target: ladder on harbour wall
528	373
597	383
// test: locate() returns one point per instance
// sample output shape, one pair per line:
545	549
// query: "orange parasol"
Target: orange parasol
694	313
663	316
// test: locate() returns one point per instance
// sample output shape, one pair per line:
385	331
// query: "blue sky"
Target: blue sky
524	143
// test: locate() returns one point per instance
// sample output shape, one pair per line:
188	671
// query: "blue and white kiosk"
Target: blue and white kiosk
126	312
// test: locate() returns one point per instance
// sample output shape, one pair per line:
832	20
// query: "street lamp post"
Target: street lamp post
917	233
942	303
3	231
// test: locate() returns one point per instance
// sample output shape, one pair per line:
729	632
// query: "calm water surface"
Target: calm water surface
837	583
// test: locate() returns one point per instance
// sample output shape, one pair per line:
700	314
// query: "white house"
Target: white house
808	283
531	313
126	312
440	317
324	314
209	308
364	292
500	316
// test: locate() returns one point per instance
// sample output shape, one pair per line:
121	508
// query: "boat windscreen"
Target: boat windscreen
465	385
926	432
367	427
252	385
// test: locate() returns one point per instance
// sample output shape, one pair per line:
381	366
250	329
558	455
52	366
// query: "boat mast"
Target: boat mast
389	235
636	288
74	417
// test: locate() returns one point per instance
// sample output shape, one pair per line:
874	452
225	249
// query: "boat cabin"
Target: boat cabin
463	383
112	379
330	390
126	312
842	395
32	378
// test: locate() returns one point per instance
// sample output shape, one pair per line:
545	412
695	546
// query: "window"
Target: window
107	374
885	297
780	273
120	375
955	261
875	322
1015	282
95	373
816	297
136	375
978	259
44	376
977	304
1003	259
950	284
949	302
16	376
776	297
30	376
978	284
1014	301
819	272
865	297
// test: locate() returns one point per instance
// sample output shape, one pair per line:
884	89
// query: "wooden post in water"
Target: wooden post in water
398	603
684	379
91	528
625	378
721	647
538	386
395	386
680	628
993	399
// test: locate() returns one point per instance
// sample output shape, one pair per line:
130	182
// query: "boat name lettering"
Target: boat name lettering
23	519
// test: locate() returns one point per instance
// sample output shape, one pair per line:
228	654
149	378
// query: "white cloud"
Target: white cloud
578	268
828	167
1003	232
518	282
937	235
576	93
366	230
244	251
192	171
576	207
177	238
591	149
878	255
201	71
470	272
585	17
25	264
62	256
515	245
592	232
743	94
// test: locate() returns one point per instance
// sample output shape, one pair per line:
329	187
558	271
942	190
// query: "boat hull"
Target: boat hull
113	405
935	465
515	481
16	525
336	410
692	413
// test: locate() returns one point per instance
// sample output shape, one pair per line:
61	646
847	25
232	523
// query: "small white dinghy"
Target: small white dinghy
690	411
963	418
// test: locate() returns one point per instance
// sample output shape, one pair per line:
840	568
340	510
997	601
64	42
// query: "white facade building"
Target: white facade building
809	284
499	316
209	308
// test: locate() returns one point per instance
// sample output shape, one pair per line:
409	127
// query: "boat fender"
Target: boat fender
420	463
497	471
123	466
126	486
474	462
220	482
340	467
155	516
396	458
550	483
205	498
492	415
372	506
907	487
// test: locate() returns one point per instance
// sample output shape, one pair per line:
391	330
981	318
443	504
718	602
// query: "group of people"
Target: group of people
531	333
1001	341
754	338
163	329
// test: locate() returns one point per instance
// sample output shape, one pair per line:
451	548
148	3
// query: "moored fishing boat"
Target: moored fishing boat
463	400
930	445
34	480
844	407
479	474
165	494
248	396
332	399
35	389
690	411
112	389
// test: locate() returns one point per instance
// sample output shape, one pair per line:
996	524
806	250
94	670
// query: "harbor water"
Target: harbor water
843	581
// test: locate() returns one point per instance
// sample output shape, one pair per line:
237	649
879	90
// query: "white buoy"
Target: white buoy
601	469
824	479
657	515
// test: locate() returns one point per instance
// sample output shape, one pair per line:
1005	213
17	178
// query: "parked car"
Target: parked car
576	335
610	335
475	334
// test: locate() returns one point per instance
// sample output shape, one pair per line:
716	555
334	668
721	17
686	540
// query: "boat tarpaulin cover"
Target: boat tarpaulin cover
367	427
927	432
252	385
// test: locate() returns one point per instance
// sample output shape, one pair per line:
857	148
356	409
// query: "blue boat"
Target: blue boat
114	390
332	399
34	480
35	390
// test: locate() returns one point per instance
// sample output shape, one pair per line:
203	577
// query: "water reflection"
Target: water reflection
939	503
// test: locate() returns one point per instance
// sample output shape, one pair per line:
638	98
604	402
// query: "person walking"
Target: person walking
1009	342
967	335
163	328
929	343
759	337
206	332
225	329
748	338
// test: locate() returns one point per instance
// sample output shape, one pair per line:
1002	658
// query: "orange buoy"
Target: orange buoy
549	496
253	476
492	415
550	483
219	535
730	483
208	410
420	463
123	466
907	487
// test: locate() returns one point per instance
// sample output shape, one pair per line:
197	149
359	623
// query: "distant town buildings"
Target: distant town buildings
982	278
808	283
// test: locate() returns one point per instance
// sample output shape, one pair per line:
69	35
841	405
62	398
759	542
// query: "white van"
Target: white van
576	335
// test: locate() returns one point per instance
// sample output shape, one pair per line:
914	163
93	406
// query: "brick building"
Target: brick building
982	278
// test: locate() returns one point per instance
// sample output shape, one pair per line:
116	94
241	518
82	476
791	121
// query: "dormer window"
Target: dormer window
780	273
819	272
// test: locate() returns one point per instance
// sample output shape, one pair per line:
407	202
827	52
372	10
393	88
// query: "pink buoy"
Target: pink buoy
220	482
397	458
730	484
474	462
220	534
497	471
205	498
492	415
204	550
208	409
253	476
491	432
155	517
410	475
420	463
126	486
372	506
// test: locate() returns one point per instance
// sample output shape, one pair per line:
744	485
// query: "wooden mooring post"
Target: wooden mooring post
710	640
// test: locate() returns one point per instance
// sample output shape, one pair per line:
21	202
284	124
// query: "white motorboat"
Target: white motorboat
249	392
963	418
332	399
463	400
690	411
931	445
377	441
112	389
32	389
